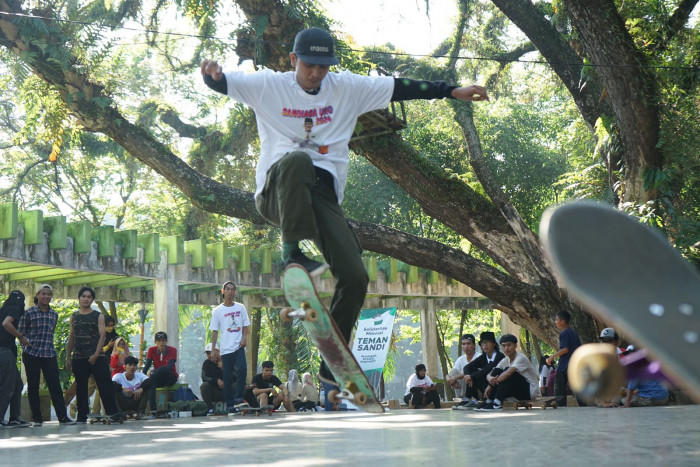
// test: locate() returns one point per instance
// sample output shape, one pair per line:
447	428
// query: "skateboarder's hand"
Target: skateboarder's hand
137	394
92	359
212	68
473	92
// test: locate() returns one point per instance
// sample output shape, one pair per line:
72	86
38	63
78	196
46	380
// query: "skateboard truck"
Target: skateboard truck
305	312
350	393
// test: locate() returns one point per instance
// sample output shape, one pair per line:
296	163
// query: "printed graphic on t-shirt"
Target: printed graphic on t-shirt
312	117
234	326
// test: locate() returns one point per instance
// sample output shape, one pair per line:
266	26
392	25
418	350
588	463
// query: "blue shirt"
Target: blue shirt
568	339
651	389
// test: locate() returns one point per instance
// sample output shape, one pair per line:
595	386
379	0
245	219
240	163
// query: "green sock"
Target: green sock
287	249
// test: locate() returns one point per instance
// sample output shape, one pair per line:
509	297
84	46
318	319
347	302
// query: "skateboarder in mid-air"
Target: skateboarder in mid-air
300	186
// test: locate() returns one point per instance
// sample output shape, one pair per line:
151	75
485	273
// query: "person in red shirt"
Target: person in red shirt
163	358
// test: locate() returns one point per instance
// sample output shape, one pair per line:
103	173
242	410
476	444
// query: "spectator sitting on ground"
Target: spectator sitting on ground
645	393
514	376
476	371
309	393
212	387
455	377
293	387
269	389
132	388
119	354
164	374
420	390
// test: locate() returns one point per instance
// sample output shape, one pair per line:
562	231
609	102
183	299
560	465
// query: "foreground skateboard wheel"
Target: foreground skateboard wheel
360	398
310	315
284	315
333	396
595	372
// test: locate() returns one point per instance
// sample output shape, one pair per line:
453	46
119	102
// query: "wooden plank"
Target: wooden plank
8	221
242	258
104	236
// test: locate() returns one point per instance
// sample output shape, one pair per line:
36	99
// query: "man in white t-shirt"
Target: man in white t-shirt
229	326
514	376
132	387
300	185
455	377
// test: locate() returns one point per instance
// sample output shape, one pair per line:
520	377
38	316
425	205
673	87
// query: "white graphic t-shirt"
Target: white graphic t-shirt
229	321
290	119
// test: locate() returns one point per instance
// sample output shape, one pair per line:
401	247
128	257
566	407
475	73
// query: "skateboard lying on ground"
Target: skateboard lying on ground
246	409
105	419
627	274
307	307
543	402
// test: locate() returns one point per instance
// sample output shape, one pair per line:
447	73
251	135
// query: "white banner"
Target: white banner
372	339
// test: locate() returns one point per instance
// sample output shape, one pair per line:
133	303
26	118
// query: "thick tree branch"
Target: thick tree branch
678	19
561	57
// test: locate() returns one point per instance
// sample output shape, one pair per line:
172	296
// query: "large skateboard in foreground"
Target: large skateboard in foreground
628	275
307	307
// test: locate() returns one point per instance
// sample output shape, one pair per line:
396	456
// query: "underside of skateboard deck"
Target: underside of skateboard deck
628	275
306	306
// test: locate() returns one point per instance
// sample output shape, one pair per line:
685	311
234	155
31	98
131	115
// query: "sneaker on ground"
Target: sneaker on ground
66	421
18	423
313	267
37	423
234	410
472	404
489	407
4	424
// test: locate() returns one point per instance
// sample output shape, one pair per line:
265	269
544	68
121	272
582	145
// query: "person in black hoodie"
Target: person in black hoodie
476	371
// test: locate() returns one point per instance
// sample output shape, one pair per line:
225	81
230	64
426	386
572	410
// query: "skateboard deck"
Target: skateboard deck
307	307
542	402
105	419
627	274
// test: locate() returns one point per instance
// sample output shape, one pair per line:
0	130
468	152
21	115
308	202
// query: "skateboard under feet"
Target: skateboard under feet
308	309
542	402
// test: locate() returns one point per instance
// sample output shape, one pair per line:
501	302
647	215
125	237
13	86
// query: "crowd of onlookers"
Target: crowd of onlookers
483	378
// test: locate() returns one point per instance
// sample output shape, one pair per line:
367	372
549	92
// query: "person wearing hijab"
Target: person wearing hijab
294	390
420	390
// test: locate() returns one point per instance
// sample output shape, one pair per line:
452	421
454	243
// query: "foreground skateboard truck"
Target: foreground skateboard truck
305	312
351	393
105	419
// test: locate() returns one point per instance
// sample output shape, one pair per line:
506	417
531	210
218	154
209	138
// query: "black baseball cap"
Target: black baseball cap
315	46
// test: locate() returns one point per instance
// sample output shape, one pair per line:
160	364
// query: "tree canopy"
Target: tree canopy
590	98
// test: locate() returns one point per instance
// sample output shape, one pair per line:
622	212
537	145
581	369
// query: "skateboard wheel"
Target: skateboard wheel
311	315
595	371
92	422
554	405
332	396
284	315
544	406
360	398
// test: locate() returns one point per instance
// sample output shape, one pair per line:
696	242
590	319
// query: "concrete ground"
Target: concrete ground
565	437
